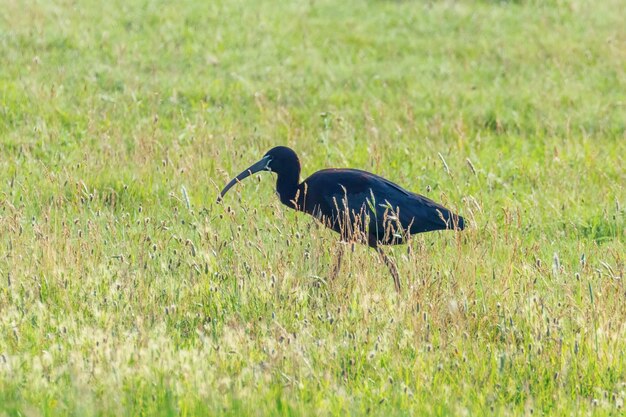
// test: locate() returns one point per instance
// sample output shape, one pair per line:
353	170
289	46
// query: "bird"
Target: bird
362	207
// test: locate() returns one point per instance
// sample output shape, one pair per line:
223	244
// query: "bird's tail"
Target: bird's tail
458	222
451	221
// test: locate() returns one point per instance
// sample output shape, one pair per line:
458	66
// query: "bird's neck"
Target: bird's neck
287	189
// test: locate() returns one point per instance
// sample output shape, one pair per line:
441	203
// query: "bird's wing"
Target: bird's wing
381	199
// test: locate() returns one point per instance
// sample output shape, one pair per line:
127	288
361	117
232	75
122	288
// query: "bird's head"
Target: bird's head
281	160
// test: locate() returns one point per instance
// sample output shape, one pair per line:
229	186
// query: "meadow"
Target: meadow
126	290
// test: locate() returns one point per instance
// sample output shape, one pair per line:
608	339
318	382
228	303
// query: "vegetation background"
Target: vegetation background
124	290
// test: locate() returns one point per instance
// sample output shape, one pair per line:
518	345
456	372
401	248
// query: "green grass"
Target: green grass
118	299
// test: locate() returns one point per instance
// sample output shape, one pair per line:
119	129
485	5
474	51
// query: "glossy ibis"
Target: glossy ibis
360	206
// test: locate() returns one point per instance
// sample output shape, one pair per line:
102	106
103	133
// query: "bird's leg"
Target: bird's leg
337	267
392	268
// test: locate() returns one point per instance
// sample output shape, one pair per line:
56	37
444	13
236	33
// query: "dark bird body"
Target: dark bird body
359	205
366	206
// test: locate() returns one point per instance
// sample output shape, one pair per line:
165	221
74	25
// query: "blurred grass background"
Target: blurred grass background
116	297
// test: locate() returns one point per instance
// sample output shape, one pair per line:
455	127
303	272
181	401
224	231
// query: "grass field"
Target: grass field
125	290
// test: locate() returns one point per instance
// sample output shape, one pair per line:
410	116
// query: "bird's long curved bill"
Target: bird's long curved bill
256	167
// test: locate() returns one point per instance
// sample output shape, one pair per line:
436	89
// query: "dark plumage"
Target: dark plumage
361	206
